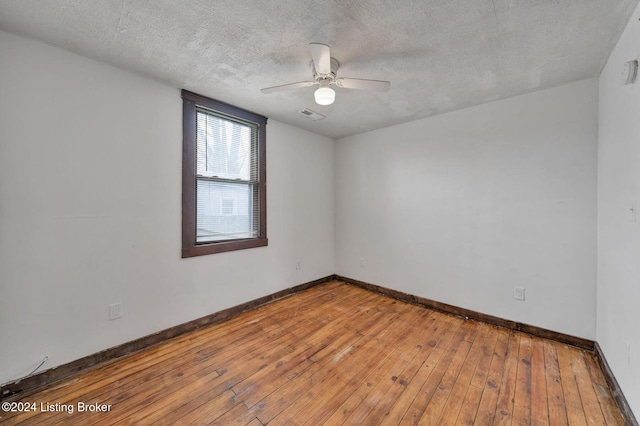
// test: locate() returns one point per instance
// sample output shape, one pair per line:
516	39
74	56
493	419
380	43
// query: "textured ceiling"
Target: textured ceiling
440	55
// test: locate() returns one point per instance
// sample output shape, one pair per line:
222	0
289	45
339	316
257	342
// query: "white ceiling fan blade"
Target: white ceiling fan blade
321	55
361	84
298	85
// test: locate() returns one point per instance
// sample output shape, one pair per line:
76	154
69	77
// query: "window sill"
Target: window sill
211	248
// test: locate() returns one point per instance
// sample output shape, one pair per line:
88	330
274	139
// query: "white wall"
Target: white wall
619	237
462	207
90	214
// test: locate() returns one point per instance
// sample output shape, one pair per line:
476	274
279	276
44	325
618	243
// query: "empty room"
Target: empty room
319	212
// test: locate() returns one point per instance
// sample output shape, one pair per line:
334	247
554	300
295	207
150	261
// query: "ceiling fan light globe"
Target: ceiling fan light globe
325	96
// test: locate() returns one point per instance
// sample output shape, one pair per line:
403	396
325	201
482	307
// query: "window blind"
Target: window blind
227	178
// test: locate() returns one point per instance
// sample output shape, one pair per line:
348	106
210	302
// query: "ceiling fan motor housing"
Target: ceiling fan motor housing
330	77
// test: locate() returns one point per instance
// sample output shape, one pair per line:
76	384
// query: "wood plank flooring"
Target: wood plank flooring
336	354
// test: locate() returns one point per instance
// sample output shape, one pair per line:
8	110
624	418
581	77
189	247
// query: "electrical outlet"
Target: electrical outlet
298	264
518	293
362	262
115	311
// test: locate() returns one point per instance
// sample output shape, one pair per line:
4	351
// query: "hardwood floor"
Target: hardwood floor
337	354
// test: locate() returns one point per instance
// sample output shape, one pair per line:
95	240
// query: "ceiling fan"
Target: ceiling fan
324	69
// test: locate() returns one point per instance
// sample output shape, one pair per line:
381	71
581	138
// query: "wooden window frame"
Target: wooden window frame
190	248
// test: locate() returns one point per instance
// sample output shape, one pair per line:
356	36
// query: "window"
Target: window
223	177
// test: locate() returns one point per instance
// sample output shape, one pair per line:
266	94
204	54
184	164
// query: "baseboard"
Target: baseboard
55	374
616	391
478	316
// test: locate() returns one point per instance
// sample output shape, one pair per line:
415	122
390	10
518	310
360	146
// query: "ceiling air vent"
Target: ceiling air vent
311	114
